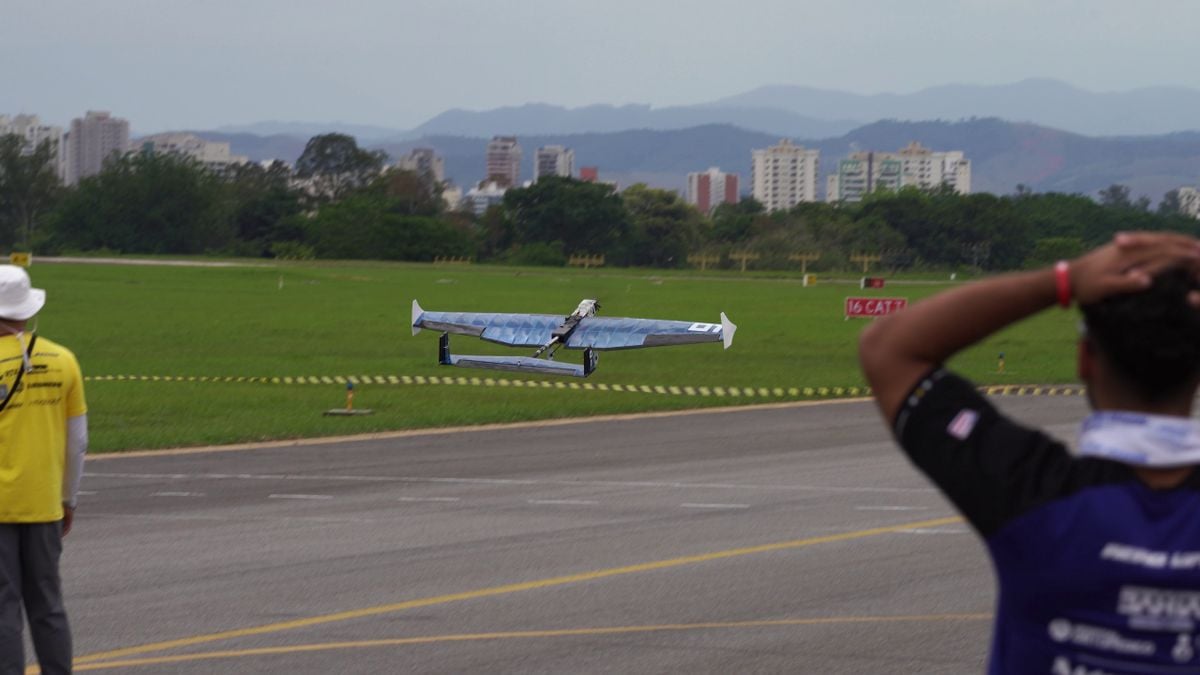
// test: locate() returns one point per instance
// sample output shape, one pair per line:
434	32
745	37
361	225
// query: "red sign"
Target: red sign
869	307
871	282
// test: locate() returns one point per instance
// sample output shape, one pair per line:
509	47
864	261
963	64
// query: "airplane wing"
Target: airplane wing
622	333
517	330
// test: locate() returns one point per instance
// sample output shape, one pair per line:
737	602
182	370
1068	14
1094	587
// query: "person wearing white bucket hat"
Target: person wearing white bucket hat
43	438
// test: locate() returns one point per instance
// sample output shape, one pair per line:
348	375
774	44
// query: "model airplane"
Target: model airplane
548	332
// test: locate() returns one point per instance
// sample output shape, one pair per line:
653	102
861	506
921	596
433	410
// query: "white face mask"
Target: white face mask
1138	439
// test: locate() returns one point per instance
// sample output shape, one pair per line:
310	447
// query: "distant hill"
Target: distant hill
1002	154
540	118
363	132
1149	110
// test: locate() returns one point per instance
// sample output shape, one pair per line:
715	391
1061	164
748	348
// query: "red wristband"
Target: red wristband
1062	283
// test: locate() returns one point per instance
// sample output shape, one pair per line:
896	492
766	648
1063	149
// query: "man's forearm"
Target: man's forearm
898	349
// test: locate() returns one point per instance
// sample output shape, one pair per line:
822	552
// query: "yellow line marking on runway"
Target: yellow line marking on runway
509	589
511	635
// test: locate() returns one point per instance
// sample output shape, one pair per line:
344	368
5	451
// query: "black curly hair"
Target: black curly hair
1152	337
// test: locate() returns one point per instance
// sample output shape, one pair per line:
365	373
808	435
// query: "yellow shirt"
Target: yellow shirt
33	429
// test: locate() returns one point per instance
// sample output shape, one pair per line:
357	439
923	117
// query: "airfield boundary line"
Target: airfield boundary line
663	390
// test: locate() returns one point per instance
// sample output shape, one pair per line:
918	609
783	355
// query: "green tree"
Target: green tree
146	203
585	218
663	227
29	188
1170	204
1050	249
333	165
263	206
1116	195
736	222
369	225
411	193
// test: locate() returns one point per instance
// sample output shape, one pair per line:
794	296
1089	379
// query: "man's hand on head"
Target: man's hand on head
1129	264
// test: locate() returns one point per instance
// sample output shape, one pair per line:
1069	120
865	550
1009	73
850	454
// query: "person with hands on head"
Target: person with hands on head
1096	548
43	439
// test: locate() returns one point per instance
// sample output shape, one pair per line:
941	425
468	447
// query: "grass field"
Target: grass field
320	319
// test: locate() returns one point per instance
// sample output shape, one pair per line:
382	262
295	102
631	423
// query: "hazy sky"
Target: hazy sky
175	64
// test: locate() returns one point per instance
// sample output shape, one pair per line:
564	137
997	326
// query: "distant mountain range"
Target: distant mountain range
1002	153
807	112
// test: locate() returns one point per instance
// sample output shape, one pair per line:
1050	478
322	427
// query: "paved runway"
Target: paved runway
786	539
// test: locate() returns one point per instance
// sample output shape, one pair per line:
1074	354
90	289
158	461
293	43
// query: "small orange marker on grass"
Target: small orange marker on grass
349	409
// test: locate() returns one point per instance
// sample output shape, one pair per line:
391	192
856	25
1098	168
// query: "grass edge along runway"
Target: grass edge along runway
214	336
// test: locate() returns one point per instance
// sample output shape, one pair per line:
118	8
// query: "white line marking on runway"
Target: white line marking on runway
177	494
229	519
715	506
428	499
891	508
300	497
509	481
84	493
925	530
567	502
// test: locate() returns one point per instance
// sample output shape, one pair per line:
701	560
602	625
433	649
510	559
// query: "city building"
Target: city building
484	196
33	133
589	174
1189	201
784	175
504	161
554	160
425	162
914	165
708	189
453	196
93	140
213	155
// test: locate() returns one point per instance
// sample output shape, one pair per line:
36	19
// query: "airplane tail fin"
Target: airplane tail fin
728	328
416	316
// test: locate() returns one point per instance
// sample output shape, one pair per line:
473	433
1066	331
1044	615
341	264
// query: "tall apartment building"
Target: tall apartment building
1189	201
709	188
914	165
33	133
91	141
554	160
213	155
504	161
784	175
426	162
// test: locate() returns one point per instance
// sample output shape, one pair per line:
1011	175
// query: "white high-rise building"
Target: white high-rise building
554	160
784	175
1189	201
709	188
484	196
33	133
92	141
915	166
425	162
504	161
214	155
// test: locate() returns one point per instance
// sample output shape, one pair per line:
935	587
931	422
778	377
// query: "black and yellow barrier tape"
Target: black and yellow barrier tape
666	390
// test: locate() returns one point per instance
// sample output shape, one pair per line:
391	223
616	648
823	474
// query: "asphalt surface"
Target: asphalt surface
788	539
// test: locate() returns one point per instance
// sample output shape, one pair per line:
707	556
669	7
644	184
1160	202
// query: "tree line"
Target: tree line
341	201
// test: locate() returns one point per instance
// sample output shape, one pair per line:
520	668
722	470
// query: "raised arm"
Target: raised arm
897	350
